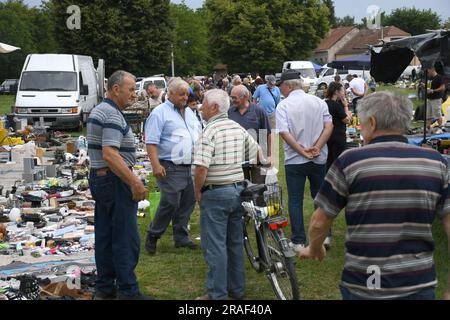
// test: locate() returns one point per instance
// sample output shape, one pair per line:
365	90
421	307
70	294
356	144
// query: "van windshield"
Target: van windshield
307	73
158	83
48	81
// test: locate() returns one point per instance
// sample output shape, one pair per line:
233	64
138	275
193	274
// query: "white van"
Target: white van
159	81
60	89
327	75
307	72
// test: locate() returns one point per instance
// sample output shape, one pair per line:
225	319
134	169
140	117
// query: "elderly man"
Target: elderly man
155	96
218	183
268	96
392	192
116	191
305	125
253	119
358	88
171	132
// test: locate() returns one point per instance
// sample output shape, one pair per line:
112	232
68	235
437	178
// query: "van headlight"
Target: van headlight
69	110
21	110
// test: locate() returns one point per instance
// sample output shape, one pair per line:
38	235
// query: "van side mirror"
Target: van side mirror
84	90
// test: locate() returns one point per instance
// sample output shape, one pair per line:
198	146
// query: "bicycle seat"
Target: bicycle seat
254	192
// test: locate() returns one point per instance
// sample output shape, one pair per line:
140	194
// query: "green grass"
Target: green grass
6	101
180	273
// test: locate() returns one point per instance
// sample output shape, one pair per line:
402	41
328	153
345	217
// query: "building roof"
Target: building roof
333	36
366	37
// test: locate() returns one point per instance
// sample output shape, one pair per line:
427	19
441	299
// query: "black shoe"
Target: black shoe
105	296
150	244
139	296
189	245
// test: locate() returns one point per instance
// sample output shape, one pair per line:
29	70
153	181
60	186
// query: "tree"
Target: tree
413	21
446	25
257	36
346	21
190	39
134	35
332	16
24	27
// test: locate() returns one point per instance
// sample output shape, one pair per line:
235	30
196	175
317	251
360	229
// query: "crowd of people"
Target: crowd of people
203	144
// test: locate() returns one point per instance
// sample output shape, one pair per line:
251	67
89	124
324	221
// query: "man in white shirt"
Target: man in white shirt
358	88
305	125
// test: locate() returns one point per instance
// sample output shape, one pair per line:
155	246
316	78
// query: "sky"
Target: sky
355	8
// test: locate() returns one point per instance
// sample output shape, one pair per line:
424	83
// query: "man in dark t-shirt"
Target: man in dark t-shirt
255	120
434	97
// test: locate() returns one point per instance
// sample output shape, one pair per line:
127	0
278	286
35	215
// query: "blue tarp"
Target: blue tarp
418	140
316	66
356	62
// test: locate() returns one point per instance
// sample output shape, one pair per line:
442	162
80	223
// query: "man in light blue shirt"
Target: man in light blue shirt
170	134
305	125
268	96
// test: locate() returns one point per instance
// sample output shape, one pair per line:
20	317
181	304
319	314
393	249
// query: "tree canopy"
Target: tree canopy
257	36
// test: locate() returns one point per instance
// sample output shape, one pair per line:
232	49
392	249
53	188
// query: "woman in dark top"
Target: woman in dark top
338	108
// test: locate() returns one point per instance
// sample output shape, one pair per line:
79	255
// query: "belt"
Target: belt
104	171
178	165
218	186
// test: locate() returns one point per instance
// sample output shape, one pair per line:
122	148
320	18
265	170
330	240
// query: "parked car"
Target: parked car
9	86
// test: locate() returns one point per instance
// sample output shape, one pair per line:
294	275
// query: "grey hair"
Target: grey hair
176	83
243	91
219	97
393	112
117	78
236	81
294	83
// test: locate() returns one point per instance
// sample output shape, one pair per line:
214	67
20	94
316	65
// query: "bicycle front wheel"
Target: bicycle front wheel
282	274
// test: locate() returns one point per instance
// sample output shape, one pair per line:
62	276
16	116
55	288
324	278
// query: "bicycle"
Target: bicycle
270	251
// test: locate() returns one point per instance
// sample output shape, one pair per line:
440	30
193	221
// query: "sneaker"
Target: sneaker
189	245
150	244
298	247
139	296
205	297
327	243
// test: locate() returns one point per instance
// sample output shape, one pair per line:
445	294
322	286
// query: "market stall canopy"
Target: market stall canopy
356	62
6	48
316	66
431	48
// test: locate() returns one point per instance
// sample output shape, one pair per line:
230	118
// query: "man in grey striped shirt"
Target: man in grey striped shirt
116	191
218	157
392	191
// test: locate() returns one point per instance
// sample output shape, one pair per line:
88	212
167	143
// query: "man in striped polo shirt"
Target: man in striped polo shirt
392	192
116	191
218	157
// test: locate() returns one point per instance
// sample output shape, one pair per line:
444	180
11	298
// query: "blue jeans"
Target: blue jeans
425	294
222	242
116	234
296	175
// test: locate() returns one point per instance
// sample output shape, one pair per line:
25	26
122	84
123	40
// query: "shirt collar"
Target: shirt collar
111	103
217	117
389	138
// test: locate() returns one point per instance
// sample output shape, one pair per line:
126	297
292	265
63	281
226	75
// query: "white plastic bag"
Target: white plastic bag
271	175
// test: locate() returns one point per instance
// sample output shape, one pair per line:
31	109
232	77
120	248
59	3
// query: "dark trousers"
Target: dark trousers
253	174
176	204
336	145
116	234
296	175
